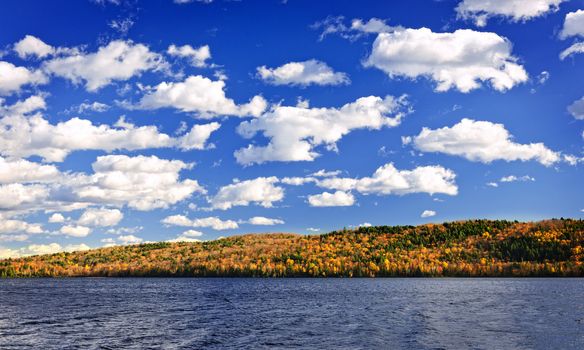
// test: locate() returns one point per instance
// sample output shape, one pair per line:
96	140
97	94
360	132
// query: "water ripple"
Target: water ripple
291	313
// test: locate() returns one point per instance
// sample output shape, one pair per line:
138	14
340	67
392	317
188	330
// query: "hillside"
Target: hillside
469	248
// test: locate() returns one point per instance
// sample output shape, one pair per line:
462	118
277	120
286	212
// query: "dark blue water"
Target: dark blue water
292	313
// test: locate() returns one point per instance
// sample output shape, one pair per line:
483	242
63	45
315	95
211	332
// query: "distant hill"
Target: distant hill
467	248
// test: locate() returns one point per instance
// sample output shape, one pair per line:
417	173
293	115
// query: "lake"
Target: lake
171	313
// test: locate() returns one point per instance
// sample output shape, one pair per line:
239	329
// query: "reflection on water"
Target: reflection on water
289	313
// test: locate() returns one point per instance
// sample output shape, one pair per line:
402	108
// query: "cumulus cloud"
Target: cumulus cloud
463	59
197	56
19	226
40	249
188	236
100	217
428	213
13	78
16	195
142	183
119	60
263	221
573	25
24	171
129	239
311	72
192	233
33	46
75	231
387	180
197	137
199	95
213	222
336	199
517	10
294	132
262	191
576	109
480	141
29	135
56	218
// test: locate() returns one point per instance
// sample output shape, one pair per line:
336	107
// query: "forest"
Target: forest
474	248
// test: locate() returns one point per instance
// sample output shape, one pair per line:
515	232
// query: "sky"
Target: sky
127	121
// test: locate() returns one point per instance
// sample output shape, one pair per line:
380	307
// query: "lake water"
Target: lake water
292	313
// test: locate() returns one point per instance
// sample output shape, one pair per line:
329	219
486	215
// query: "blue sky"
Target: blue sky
134	121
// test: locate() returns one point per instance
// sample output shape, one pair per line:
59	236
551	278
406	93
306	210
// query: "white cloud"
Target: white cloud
263	221
336	199
388	180
39	249
13	78
30	104
365	224
192	233
313	229
576	109
513	178
24	171
119	60
19	226
13	237
33	46
324	173
517	10
428	213
88	107
129	239
197	137
373	25
188	236
125	230
543	77
100	217
213	222
200	95
16	195
462	59
25	136
480	141
294	132
297	181
357	29
198	56
573	25
56	218
574	49
142	183
302	73
261	191
122	25
75	231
